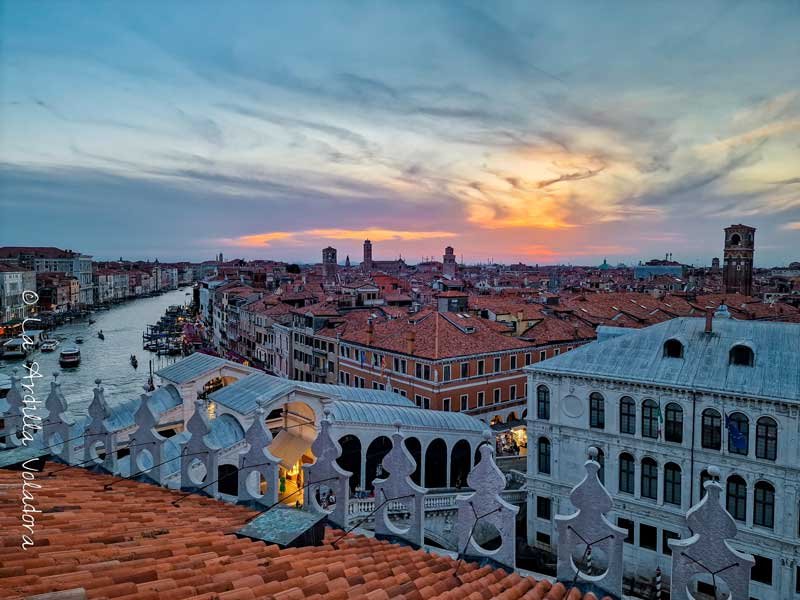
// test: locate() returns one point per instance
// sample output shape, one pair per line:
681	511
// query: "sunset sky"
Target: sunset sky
541	132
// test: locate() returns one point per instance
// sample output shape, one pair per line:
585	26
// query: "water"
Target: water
109	359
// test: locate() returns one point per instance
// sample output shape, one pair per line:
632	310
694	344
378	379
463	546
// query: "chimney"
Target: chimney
410	335
709	320
370	332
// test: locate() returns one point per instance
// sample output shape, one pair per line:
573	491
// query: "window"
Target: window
543	507
542	538
673	423
446	373
400	365
497	365
629	526
711	430
481	397
648	536
418	370
597	411
741	355
557	351
543	355
464	402
673	349
764	505
736	498
649	479
766	438
464	370
627	415
426	402
672	484
543	403
666	536
762	570
418	400
543	454
512	392
627	470
497	392
512	362
650	419
738	433
480	367
446	404
527	358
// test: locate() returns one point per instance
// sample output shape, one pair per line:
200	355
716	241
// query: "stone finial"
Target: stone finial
258	459
589	528
325	473
485	507
707	551
57	424
398	488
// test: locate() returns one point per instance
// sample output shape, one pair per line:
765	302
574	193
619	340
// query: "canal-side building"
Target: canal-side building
55	260
661	404
15	280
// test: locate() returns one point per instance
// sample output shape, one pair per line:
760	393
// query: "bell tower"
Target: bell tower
738	259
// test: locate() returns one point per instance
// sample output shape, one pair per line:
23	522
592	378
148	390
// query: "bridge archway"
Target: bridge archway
459	463
228	479
378	448
436	464
415	448
350	460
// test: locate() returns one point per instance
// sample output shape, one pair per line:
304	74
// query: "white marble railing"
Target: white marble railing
364	506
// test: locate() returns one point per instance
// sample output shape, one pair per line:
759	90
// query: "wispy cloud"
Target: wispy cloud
376	235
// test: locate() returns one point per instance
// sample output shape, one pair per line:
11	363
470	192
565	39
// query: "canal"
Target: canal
109	359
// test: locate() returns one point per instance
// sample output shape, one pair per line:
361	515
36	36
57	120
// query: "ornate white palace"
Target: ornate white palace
660	404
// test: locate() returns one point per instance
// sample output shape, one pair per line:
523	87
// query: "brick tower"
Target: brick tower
738	259
449	263
329	263
367	263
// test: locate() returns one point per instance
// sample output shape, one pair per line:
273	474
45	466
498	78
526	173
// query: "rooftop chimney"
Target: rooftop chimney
410	337
709	320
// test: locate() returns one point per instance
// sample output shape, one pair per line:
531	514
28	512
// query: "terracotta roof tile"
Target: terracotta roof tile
131	542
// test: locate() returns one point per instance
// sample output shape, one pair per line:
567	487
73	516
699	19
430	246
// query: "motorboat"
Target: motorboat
78	340
49	345
15	349
69	357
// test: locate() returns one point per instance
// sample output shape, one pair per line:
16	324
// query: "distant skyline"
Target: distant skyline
545	134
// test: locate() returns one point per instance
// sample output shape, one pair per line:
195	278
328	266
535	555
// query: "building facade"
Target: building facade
662	404
13	282
738	259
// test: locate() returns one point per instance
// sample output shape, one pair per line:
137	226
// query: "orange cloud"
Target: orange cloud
376	235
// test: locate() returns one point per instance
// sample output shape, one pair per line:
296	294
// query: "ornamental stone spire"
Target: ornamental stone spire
258	459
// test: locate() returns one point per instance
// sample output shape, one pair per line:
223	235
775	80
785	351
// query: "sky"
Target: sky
546	133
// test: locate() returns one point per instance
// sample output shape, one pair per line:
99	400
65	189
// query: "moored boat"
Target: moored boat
15	348
49	345
78	340
69	357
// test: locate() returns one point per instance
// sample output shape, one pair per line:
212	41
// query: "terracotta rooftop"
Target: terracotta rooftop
132	543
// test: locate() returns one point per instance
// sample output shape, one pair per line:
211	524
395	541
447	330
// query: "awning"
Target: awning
288	447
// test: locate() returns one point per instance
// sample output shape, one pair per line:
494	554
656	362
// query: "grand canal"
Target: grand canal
109	359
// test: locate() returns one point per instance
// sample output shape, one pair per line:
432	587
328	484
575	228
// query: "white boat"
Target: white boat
48	345
69	357
15	348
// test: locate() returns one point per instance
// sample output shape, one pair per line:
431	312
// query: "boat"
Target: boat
92	321
78	340
15	348
134	361
100	335
48	345
69	357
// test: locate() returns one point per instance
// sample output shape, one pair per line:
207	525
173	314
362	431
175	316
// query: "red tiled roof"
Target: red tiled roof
132	543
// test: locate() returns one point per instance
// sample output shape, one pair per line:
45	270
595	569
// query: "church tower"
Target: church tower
367	263
329	263
449	263
738	259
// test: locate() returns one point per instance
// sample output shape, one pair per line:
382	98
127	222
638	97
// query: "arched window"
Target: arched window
627	415
764	505
736	498
741	355
738	433
543	403
650	419
597	411
543	455
673	423
673	349
627	470
736	239
767	438
672	484
649	479
711	430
